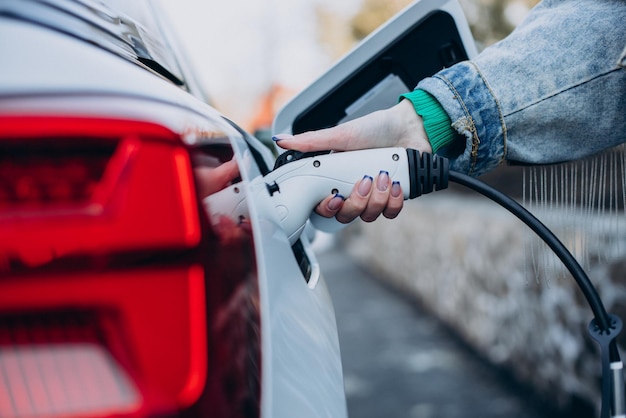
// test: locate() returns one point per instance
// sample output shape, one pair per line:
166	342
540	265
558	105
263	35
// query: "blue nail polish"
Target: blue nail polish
396	190
334	203
280	137
365	186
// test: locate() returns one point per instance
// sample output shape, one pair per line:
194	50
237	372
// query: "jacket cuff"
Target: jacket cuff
437	123
475	114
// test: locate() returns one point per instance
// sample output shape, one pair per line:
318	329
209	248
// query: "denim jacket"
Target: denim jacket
554	90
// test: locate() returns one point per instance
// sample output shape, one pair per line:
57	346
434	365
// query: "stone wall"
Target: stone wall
484	273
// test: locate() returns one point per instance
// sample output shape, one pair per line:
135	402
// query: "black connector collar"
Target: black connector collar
427	172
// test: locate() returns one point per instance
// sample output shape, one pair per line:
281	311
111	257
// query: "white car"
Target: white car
126	288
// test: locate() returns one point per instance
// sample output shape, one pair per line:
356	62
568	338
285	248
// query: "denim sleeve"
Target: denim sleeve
554	90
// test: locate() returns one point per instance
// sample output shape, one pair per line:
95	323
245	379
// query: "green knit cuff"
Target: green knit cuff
437	123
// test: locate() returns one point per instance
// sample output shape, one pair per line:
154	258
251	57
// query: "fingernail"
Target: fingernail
280	137
396	190
336	202
365	186
383	181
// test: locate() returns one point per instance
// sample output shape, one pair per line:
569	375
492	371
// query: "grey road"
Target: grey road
399	362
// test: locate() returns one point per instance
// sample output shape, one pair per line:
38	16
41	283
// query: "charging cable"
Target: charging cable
604	328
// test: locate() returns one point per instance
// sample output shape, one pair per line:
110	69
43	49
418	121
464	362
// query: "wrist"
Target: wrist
413	134
436	122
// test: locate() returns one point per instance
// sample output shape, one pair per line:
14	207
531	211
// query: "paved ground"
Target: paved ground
399	362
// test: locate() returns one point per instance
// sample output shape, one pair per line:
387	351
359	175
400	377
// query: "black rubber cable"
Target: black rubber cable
431	172
546	235
602	319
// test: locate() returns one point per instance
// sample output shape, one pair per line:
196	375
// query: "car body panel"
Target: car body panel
300	361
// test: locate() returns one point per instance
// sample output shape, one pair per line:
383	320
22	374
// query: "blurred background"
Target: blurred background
254	56
505	330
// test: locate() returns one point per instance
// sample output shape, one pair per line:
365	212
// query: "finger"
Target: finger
395	202
356	203
330	205
379	197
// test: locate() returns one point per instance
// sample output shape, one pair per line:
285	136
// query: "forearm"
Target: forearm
551	91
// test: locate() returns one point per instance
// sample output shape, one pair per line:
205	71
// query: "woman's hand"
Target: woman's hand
398	126
369	198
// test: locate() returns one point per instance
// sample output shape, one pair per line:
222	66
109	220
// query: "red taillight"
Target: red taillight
54	364
99	227
45	174
145	329
117	298
71	187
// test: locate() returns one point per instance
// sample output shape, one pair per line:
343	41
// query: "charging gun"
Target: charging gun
300	181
